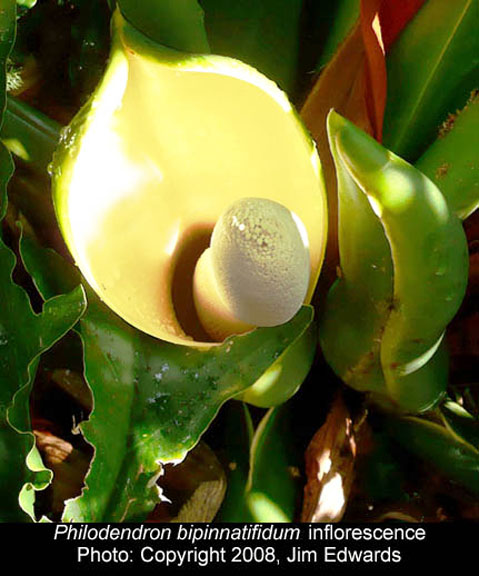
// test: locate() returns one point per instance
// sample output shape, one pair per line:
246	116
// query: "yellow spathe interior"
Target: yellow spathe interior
166	145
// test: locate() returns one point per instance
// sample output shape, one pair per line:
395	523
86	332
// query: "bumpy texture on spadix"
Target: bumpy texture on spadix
167	142
256	271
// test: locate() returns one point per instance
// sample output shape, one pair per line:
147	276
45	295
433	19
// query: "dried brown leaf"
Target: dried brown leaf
68	463
330	463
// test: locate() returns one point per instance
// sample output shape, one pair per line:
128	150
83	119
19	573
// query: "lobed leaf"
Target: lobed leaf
24	336
152	400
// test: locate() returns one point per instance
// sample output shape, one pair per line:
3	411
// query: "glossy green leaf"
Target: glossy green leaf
178	24
24	336
385	318
262	33
152	400
431	68
454	458
452	161
428	249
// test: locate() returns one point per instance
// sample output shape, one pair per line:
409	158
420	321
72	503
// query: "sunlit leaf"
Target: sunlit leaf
27	3
404	270
432	68
452	161
29	134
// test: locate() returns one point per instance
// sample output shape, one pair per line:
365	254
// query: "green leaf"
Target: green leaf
26	3
454	458
29	134
359	302
152	400
452	161
343	14
283	379
383	326
235	443
431	70
262	33
24	335
90	45
460	422
178	24
7	37
262	485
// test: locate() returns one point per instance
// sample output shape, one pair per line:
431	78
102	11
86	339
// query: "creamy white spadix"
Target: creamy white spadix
256	270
